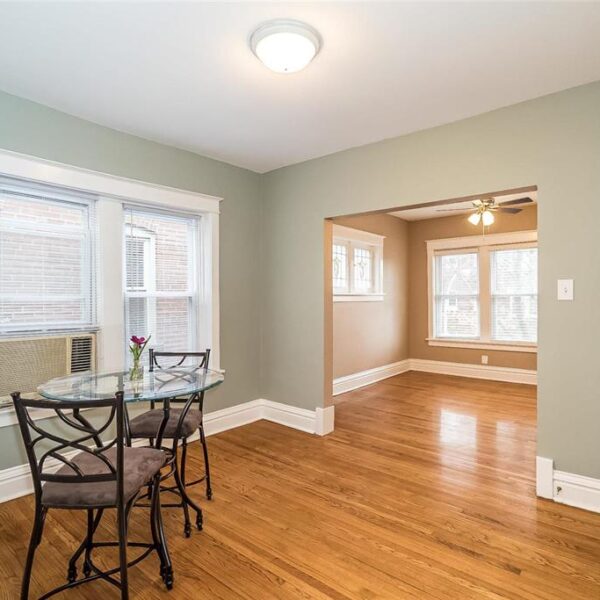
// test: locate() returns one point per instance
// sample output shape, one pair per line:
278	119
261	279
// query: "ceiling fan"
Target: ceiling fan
484	208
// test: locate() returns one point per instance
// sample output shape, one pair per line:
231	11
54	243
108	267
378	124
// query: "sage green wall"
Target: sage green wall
553	142
39	131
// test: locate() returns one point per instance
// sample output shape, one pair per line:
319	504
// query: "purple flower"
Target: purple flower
138	341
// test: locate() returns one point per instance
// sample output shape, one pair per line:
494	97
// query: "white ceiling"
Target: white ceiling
437	211
182	73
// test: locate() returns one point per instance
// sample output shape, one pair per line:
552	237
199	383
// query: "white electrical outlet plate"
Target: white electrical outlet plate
484	359
565	289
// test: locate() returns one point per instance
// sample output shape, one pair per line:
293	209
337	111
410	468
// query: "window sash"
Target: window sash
442	315
50	307
352	286
488	332
178	328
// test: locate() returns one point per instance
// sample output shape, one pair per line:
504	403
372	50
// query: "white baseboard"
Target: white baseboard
566	488
544	477
577	490
16	481
474	371
348	383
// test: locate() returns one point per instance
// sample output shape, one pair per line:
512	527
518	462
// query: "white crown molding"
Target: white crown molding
16	481
14	164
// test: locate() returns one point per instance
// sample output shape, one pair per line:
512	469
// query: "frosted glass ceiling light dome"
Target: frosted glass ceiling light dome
284	45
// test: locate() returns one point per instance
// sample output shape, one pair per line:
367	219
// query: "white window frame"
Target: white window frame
58	196
113	192
483	245
355	238
199	324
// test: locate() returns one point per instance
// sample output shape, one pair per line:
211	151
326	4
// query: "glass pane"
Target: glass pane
161	279
340	267
514	271
457	274
135	248
45	264
514	294
363	270
514	318
457	317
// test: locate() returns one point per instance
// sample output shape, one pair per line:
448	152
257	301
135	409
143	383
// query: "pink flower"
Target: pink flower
138	341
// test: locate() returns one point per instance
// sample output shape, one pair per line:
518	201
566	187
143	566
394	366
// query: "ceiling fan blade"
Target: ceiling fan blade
452	209
525	200
511	211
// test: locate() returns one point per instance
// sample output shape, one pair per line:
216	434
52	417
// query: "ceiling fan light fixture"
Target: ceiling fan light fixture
285	45
475	218
487	218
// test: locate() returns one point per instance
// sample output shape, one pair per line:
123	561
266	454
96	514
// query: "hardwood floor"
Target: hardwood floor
425	491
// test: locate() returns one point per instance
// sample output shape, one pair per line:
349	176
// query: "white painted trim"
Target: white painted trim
544	475
325	420
358	297
508	347
507	374
577	490
476	241
33	168
348	383
357	235
571	489
16	481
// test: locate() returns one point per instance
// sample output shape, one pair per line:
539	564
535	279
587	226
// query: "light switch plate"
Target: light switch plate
565	289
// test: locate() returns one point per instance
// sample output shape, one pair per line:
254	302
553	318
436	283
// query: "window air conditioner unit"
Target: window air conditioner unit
26	363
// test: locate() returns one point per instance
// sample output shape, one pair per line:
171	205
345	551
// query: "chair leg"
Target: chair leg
187	528
34	542
206	465
85	545
158	536
122	527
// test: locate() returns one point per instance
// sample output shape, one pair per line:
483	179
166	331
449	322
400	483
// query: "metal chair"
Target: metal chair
181	425
92	476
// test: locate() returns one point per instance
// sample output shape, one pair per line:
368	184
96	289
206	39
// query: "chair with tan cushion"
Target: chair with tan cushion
92	475
183	423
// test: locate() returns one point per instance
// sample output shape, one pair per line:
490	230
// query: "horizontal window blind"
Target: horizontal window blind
161	278
514	294
456	300
47	275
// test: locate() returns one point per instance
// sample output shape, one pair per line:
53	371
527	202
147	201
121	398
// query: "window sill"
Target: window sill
479	345
358	297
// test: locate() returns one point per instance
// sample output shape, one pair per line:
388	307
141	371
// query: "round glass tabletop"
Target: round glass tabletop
149	385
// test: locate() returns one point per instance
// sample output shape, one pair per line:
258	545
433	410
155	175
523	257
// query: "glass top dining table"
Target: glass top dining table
158	384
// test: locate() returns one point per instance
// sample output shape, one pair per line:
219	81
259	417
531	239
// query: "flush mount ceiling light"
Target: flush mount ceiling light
284	45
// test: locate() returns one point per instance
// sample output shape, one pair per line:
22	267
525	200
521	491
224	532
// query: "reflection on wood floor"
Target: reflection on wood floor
425	490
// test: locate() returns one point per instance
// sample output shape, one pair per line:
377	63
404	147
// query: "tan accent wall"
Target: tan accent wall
373	334
447	227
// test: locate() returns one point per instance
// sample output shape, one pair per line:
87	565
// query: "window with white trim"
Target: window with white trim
162	278
357	264
457	295
47	264
483	291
